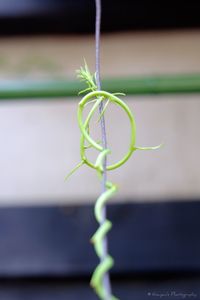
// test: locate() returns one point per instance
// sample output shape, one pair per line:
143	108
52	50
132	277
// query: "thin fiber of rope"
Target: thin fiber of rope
106	279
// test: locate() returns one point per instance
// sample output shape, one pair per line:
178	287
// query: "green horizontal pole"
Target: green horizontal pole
146	85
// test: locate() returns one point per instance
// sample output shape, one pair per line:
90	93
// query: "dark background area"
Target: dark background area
77	16
45	251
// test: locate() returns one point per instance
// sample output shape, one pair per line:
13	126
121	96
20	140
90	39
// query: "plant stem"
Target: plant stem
106	278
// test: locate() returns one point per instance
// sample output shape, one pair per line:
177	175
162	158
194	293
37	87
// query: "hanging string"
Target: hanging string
106	277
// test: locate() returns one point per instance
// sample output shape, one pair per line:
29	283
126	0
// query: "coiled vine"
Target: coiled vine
95	97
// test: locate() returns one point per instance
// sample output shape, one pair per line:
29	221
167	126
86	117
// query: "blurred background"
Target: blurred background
150	51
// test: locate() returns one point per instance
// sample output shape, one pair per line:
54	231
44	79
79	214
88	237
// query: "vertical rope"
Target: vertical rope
106	279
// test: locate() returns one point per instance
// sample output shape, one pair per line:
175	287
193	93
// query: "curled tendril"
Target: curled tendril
96	97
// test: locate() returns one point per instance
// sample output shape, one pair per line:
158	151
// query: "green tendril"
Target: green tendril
96	97
74	170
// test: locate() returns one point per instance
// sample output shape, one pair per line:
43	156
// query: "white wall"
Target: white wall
40	139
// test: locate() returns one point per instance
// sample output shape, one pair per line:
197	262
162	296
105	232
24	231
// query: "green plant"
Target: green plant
96	97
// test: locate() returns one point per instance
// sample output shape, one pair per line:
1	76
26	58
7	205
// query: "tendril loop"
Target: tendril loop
102	96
